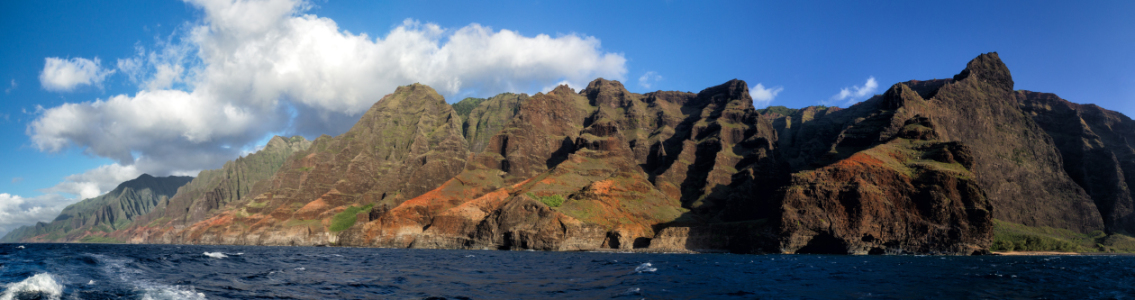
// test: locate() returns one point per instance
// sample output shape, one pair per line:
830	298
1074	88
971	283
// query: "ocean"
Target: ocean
102	271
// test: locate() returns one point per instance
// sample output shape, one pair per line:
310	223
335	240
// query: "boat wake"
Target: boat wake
40	286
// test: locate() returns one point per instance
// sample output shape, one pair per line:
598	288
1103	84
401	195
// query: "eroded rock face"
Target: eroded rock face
922	168
407	144
563	145
1015	161
1096	145
903	196
213	189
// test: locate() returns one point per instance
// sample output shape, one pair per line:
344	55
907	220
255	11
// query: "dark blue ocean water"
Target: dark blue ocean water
89	271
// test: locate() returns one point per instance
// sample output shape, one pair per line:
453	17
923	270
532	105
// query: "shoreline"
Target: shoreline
1038	253
608	250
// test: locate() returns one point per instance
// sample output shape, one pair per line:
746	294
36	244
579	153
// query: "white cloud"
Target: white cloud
11	87
63	75
95	182
855	93
16	180
251	68
16	211
762	96
648	77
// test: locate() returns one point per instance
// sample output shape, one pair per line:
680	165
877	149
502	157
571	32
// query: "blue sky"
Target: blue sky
182	86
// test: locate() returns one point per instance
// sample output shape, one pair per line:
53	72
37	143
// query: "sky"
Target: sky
100	92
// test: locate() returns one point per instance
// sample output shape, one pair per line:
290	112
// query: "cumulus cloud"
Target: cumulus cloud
647	78
763	96
250	68
64	75
855	93
95	182
16	211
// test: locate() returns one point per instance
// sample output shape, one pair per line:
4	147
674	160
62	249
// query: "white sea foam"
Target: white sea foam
645	267
119	267
162	292
42	285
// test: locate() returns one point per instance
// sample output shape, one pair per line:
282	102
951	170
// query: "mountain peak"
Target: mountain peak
735	89
279	142
606	92
147	181
276	141
563	88
988	67
601	84
418	88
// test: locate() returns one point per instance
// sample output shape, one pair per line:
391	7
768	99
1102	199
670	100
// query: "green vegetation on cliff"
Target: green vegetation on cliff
1009	236
552	200
483	118
347	218
465	106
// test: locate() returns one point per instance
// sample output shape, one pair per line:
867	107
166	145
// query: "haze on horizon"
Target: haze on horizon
99	93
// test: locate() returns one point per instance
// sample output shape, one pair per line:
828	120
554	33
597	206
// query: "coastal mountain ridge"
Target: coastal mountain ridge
104	214
925	167
170	201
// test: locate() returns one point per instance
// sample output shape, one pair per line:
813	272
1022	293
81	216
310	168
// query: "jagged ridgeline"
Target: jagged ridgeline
169	201
926	167
91	219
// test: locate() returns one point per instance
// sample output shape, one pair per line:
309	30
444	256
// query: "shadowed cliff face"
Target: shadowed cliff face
1097	147
1014	159
922	168
92	219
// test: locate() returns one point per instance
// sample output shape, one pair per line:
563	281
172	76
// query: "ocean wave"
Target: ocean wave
630	292
645	267
161	292
216	254
40	286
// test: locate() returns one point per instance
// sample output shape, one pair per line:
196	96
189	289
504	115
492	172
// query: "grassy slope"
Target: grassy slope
1016	237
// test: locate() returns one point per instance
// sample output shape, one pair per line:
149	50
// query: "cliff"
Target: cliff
94	218
213	189
1097	147
925	167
